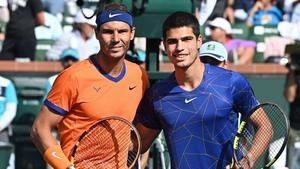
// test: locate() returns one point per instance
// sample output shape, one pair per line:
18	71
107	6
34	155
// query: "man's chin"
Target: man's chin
117	54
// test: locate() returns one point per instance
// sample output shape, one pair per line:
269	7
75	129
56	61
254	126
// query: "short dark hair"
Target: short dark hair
115	6
181	19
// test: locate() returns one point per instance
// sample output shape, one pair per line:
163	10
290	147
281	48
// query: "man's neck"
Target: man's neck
112	66
191	77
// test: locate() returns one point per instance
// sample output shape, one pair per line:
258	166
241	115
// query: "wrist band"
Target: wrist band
56	158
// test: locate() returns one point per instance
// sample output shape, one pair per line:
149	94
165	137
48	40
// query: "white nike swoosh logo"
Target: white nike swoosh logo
113	15
189	100
56	156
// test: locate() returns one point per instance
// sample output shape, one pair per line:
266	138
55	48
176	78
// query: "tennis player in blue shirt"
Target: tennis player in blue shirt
196	105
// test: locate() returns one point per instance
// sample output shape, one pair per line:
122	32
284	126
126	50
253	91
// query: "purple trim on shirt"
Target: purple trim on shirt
235	43
57	109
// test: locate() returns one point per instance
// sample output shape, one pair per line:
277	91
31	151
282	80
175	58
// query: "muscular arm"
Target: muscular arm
147	135
262	137
42	127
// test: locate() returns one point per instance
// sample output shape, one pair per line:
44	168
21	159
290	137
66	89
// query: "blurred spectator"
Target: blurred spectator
54	7
68	58
264	12
291	28
220	8
204	10
275	47
295	14
8	109
4	13
229	11
239	51
241	9
214	8
292	95
4	17
214	53
51	30
82	38
20	41
288	8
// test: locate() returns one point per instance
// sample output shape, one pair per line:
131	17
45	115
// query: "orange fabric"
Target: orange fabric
56	158
87	96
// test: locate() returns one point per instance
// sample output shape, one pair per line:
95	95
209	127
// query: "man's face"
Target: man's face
114	38
182	46
217	33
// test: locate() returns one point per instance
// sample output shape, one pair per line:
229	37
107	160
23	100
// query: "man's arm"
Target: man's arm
41	134
263	135
44	140
147	135
229	11
290	87
246	55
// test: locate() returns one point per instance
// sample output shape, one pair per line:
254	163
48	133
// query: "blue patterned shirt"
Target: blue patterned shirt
199	125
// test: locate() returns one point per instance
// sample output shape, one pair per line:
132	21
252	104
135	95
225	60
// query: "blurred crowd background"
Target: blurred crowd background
264	26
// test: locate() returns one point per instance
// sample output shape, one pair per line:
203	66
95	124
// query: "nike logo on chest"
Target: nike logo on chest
189	100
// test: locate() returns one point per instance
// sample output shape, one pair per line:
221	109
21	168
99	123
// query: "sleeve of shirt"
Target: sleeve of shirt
243	95
63	94
247	43
146	114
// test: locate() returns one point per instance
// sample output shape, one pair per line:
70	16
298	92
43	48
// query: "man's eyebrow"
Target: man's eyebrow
187	37
182	38
171	39
111	29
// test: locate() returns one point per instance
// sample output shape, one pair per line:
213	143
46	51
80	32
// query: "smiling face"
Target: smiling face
114	38
182	46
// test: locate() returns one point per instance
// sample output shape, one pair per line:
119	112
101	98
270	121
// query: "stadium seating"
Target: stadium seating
149	21
5	151
240	31
30	92
43	45
258	34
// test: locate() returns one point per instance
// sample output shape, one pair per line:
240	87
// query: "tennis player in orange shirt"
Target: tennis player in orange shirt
103	85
